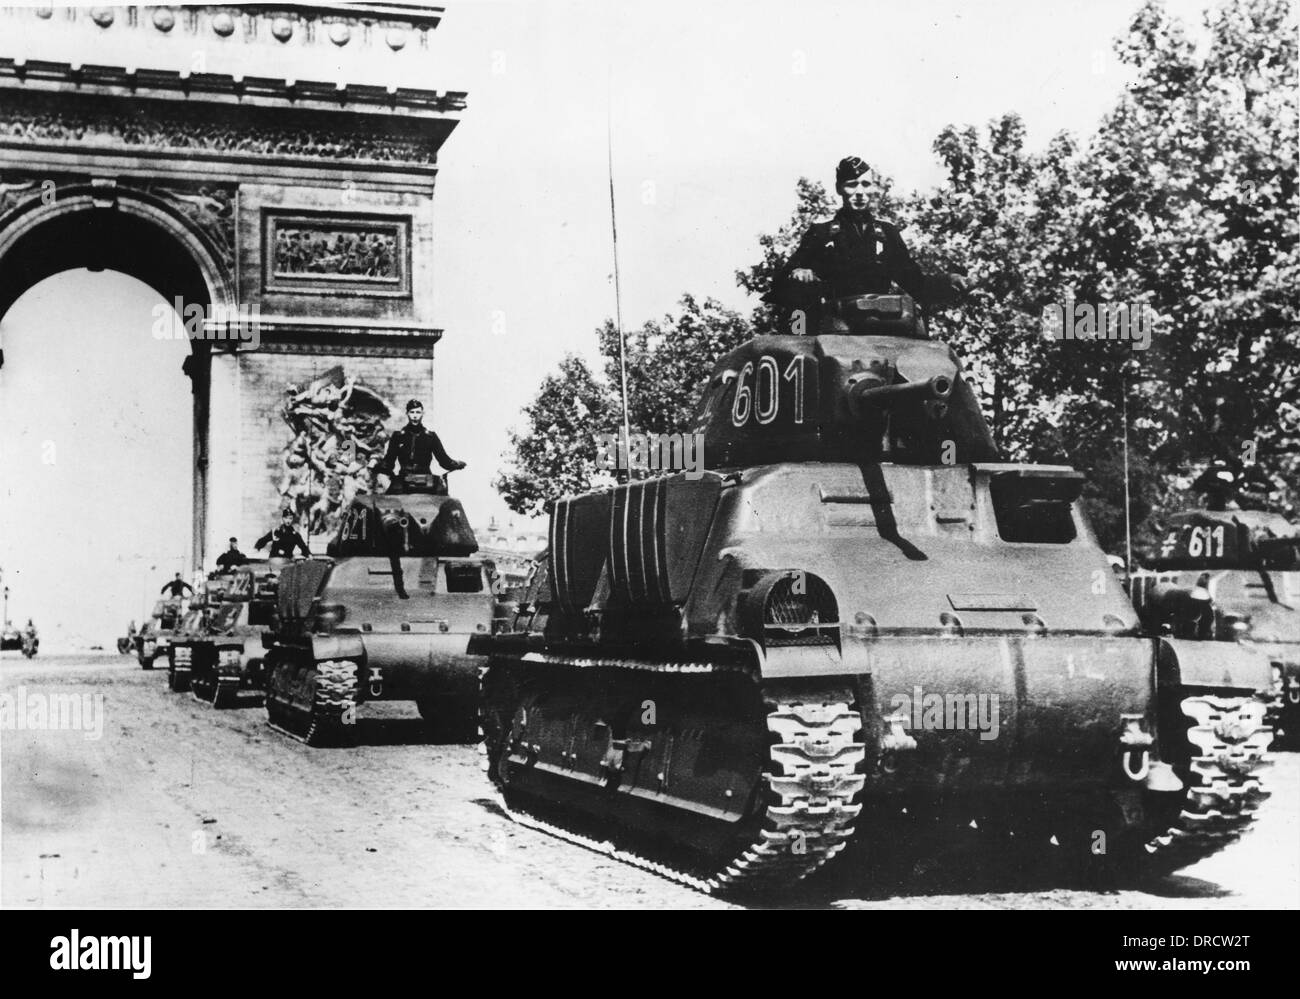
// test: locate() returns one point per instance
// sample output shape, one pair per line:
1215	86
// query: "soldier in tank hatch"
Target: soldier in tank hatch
232	556
176	587
413	448
283	539
855	253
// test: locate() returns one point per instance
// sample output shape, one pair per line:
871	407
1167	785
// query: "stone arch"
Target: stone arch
83	225
142	235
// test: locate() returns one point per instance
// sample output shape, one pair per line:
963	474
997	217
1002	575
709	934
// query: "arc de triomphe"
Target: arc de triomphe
290	217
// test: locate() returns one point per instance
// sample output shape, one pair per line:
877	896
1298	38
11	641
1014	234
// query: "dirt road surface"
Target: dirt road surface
173	804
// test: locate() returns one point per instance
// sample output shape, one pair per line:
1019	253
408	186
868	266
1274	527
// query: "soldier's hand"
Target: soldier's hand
458	465
960	283
803	275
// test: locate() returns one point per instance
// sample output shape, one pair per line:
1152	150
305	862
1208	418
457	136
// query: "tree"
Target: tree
994	219
1185	200
556	455
667	364
1190	206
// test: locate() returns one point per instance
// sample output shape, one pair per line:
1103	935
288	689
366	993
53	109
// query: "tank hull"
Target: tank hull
734	679
378	646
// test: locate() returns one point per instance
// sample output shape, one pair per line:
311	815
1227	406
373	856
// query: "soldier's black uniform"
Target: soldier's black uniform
229	559
284	540
177	588
415	448
851	255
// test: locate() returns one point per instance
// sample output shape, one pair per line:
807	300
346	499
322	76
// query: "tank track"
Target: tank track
224	693
1275	705
1283	701
178	676
1223	792
814	777
218	692
330	720
817	802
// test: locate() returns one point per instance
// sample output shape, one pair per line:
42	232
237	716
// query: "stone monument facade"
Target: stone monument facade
270	170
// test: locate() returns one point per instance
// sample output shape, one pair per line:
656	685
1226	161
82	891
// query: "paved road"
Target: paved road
174	804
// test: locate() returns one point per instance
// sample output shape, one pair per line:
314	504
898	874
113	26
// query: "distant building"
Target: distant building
513	549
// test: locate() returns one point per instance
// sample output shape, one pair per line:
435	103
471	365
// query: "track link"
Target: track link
178	669
331	717
225	693
812	778
218	690
1223	791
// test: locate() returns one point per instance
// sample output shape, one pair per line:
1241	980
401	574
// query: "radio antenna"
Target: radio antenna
1128	526
618	297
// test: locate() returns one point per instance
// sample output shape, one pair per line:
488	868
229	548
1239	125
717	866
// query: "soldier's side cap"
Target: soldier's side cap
850	167
414	404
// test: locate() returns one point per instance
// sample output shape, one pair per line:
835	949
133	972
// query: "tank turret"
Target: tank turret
407	524
878	389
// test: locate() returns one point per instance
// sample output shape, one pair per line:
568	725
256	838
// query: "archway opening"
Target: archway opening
101	240
97	437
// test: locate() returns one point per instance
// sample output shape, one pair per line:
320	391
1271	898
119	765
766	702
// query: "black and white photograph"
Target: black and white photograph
602	455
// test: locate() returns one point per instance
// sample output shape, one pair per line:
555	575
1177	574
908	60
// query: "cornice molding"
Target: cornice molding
334	25
96	124
39	76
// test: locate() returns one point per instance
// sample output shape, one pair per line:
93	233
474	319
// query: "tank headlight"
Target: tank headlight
950	625
1112	624
331	615
863	626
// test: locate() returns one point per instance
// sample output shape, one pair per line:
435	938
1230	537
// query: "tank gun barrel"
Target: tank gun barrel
395	525
867	396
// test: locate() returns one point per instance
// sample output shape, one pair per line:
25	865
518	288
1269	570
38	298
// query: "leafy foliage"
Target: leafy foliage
1185	200
557	454
667	361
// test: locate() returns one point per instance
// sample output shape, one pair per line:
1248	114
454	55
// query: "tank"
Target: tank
1224	575
191	628
386	616
154	638
229	657
856	625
